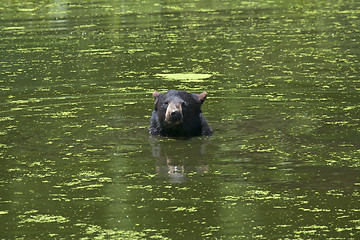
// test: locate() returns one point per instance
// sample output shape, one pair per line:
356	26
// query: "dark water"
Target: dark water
76	85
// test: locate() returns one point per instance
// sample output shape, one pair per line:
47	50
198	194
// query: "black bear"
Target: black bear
178	114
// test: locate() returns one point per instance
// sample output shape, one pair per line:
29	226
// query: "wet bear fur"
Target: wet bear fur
178	114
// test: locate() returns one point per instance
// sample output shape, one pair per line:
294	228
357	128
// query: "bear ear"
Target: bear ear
156	94
202	97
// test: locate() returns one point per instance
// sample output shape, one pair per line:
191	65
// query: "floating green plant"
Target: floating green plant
189	77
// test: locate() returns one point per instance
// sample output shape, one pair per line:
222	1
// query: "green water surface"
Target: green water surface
283	83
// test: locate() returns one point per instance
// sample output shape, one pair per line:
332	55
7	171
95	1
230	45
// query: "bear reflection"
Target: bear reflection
180	159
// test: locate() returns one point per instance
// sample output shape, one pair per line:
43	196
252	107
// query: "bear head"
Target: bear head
179	110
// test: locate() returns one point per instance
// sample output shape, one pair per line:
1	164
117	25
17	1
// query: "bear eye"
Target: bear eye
166	103
184	105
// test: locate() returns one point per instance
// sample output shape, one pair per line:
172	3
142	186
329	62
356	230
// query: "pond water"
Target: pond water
283	85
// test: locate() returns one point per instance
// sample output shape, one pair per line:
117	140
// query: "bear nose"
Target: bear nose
175	116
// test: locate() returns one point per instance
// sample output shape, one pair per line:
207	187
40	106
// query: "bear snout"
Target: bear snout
175	116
